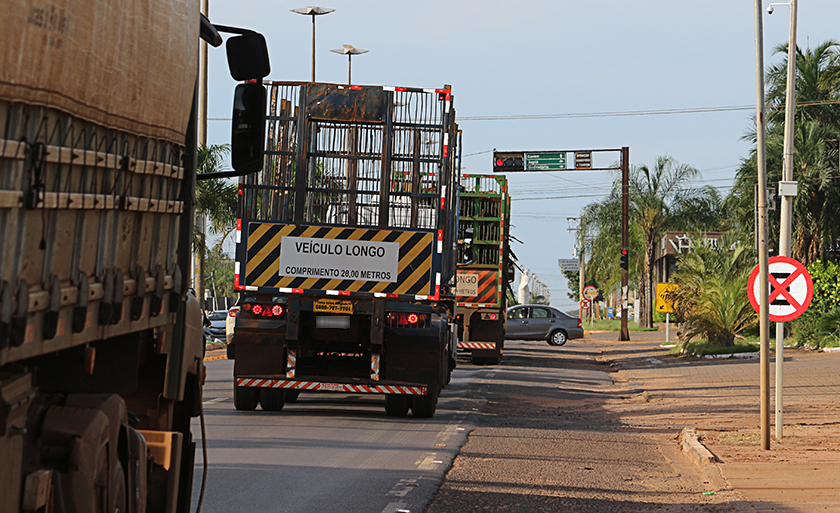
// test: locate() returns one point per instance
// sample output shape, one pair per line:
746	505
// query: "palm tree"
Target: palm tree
217	199
712	295
660	200
816	139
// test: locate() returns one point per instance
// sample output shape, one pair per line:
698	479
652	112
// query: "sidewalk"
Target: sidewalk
720	398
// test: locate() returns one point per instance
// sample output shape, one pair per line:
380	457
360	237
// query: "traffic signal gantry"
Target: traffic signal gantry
558	160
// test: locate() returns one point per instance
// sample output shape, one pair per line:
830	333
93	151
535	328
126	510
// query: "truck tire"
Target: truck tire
424	406
272	399
557	338
119	490
396	405
292	396
231	352
245	398
475	360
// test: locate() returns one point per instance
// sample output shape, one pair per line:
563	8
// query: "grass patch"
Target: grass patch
704	347
614	325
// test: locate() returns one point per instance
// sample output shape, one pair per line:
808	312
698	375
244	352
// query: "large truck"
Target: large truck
484	267
101	347
345	256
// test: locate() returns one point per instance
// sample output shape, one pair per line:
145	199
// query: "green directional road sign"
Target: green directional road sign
545	161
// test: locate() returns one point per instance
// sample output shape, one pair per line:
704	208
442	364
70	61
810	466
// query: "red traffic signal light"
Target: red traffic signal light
625	264
508	161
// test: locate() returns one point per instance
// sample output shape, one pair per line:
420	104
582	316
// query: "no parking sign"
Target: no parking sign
791	288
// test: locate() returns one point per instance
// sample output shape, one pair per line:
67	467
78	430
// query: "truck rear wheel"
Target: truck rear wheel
424	406
245	398
272	399
292	396
396	405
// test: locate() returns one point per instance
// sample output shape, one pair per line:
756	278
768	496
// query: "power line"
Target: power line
654	112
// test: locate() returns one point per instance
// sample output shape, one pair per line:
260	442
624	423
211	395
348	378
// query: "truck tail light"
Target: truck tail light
270	311
408	320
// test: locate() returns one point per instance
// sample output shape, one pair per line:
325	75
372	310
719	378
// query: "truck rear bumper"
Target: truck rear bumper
468	346
379	387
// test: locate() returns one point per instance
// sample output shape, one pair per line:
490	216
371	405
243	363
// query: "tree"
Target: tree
712	296
661	199
216	198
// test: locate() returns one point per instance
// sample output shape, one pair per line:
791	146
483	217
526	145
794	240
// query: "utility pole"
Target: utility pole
200	220
761	236
581	281
624	334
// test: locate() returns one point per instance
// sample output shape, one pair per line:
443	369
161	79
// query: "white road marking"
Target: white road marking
427	463
395	507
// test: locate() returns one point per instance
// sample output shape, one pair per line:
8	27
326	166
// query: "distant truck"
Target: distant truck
484	266
101	347
345	256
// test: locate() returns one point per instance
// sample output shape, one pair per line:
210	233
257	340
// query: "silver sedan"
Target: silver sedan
539	322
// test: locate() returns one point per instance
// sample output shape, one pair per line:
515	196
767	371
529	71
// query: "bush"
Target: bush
826	276
804	328
819	326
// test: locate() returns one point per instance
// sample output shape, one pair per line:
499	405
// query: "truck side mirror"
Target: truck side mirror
248	57
248	128
510	270
469	233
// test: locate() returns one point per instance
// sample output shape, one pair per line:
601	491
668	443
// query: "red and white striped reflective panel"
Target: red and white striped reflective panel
476	345
315	386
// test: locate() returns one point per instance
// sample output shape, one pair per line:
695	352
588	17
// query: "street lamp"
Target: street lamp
313	11
349	51
787	191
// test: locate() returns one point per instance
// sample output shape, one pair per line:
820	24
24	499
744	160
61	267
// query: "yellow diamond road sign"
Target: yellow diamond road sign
663	305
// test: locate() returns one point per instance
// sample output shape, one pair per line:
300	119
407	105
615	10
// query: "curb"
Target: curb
831	350
693	449
733	355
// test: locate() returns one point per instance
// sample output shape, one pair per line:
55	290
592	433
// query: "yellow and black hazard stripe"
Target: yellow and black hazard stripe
262	259
488	289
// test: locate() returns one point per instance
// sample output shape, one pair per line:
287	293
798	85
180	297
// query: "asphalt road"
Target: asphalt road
331	452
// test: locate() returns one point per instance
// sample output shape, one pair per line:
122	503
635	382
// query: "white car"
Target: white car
230	322
216	331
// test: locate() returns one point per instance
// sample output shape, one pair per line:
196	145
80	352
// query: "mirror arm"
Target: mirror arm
234	30
209	33
222	174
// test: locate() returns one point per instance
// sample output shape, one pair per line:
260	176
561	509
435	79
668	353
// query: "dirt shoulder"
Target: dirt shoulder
720	398
550	440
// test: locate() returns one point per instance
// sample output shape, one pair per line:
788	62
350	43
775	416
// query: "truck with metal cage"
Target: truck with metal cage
101	347
484	266
345	255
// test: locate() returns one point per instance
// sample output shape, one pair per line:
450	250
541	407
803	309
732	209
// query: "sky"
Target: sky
546	57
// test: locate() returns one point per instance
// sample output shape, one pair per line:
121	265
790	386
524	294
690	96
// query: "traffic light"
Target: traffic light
508	161
624	260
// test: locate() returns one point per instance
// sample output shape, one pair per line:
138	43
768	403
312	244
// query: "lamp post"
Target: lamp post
349	51
787	192
313	11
